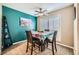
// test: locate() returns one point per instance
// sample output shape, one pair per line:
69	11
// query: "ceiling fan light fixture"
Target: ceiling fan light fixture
40	14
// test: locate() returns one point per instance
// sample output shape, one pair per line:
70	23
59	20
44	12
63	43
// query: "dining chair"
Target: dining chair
52	39
34	42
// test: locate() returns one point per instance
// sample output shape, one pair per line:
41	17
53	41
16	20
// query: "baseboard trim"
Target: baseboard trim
20	42
67	46
0	52
59	43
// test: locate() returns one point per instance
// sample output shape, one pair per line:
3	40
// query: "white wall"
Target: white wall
75	34
67	17
0	24
77	39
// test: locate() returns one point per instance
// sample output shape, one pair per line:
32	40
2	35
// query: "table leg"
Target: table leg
42	46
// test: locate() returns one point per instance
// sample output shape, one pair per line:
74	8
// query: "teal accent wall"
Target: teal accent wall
13	17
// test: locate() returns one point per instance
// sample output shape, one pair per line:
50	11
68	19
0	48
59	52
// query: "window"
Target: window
50	22
54	22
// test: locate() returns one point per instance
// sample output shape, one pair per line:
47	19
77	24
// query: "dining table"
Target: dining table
42	36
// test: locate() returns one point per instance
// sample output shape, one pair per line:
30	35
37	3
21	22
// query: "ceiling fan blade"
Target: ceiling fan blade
44	10
36	11
35	14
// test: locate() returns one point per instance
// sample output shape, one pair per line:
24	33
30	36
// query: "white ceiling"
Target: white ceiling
30	8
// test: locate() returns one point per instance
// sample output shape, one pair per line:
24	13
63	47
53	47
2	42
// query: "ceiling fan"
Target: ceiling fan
40	12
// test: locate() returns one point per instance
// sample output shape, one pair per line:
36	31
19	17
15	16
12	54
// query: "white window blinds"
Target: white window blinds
50	22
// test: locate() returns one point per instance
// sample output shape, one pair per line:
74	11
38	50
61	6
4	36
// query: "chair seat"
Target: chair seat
50	37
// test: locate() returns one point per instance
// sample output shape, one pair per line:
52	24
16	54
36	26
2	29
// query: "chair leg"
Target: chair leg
39	46
44	46
52	49
27	46
47	43
32	49
34	45
55	46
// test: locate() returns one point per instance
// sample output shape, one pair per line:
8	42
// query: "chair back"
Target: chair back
54	36
29	36
46	29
